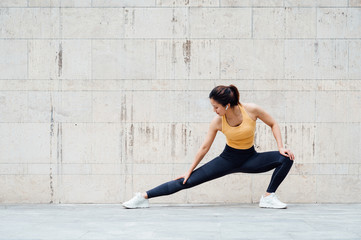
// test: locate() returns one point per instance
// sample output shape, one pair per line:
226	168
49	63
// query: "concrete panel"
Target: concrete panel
166	143
300	59
268	23
148	170
76	169
330	107
38	107
354	3
107	145
189	3
353	23
24	106
62	3
285	85
300	106
268	59
45	59
337	169
236	59
107	169
13	106
336	143
196	59
13	61
353	105
53	59
173	59
92	22
339	85
338	23
300	22
14	169
123	59
332	59
299	189
113	106
40	169
202	59
304	169
354	59
88	145
257	59
72	107
220	23
252	3
316	3
25	189
26	143
338	188
29	23
76	59
28	85
159	106
90	189
123	3
78	85
14	3
155	23
75	143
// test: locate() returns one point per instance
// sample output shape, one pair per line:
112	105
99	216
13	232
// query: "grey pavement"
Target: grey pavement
228	221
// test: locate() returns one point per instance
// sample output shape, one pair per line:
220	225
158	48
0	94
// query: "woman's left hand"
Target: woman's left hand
287	153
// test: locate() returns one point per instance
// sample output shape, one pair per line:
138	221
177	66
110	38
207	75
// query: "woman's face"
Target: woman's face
217	107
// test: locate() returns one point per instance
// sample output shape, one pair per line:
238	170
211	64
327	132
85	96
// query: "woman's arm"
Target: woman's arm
270	121
204	148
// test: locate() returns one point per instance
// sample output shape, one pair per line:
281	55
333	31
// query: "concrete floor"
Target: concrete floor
238	221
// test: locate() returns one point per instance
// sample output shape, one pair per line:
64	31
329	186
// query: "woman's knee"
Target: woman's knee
286	161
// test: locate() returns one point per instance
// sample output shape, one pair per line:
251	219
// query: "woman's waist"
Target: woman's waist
235	152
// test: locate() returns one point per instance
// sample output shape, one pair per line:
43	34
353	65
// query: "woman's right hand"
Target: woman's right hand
185	176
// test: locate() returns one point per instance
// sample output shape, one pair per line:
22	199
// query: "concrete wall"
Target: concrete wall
100	99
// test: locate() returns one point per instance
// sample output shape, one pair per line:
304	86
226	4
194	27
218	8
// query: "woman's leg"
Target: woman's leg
216	168
266	161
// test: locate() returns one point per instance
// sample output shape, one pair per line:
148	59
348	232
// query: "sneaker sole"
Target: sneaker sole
269	206
127	207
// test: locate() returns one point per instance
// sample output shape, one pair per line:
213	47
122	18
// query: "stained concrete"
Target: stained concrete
229	221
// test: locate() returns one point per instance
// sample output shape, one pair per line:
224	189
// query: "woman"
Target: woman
237	122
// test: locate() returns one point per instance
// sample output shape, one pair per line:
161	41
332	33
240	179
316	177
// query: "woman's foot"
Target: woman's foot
138	201
271	201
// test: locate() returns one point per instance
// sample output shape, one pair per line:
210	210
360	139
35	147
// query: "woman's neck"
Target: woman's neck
234	113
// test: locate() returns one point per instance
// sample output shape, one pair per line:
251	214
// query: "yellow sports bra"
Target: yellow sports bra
241	136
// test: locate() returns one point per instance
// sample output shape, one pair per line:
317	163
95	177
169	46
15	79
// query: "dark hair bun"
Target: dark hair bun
225	95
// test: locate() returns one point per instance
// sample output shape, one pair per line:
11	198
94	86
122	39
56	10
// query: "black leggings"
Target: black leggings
231	160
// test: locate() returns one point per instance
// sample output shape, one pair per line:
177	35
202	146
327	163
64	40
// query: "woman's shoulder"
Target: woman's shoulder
252	109
250	106
217	123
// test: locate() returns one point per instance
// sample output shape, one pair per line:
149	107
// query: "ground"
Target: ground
201	221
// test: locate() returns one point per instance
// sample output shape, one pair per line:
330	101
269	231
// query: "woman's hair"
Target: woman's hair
225	95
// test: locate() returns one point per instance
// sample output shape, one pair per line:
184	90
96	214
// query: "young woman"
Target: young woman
238	123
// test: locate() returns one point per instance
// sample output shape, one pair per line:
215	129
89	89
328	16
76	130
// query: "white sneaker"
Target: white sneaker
271	201
138	201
